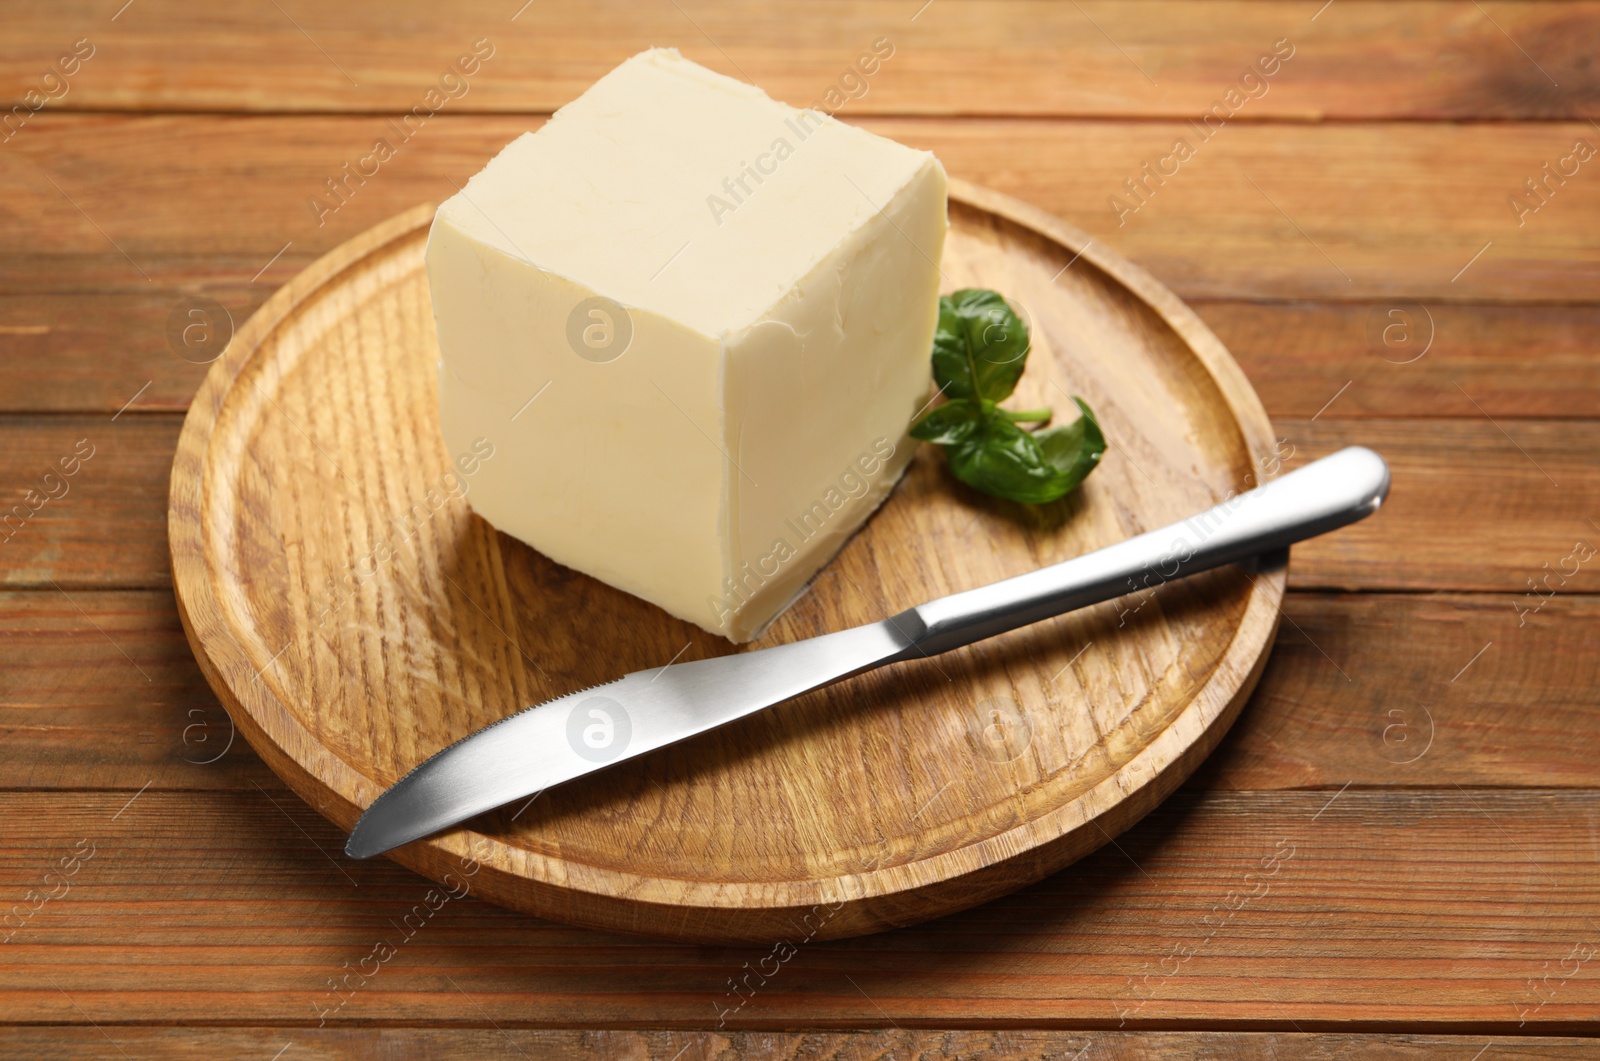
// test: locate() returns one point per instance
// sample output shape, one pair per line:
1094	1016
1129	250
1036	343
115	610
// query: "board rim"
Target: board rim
866	900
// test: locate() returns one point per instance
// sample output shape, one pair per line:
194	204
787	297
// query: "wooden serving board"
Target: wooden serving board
355	617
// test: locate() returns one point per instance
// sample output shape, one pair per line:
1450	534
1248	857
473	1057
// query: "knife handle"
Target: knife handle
1324	495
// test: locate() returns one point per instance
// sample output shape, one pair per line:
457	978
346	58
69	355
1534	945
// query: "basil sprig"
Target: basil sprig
979	351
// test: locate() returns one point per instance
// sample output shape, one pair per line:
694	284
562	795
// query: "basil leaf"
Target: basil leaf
980	346
1075	449
1004	460
949	423
1035	468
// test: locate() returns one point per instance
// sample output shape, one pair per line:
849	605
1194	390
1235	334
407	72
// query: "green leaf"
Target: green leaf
1036	468
1004	460
980	346
949	423
1073	449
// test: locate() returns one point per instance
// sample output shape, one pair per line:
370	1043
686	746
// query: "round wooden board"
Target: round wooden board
350	640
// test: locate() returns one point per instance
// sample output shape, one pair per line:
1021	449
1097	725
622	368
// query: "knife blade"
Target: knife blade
592	729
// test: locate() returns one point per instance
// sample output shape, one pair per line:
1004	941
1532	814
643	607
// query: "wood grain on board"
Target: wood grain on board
1372	689
348	650
1372	211
1364	909
1095	58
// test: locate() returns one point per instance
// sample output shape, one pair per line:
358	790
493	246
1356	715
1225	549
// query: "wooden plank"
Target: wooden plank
91	352
1478	503
58	1043
105	521
1346	212
1361	909
1419	690
1337	213
1402	359
88	353
100	690
109	696
1365	60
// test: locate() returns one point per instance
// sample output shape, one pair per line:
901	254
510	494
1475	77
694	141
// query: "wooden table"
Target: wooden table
1423	754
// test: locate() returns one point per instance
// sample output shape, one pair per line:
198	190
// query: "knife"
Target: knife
585	731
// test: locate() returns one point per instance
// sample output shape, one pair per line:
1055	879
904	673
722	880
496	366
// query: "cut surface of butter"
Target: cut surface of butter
695	323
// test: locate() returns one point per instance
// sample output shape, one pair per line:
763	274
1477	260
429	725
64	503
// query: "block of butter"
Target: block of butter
695	323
